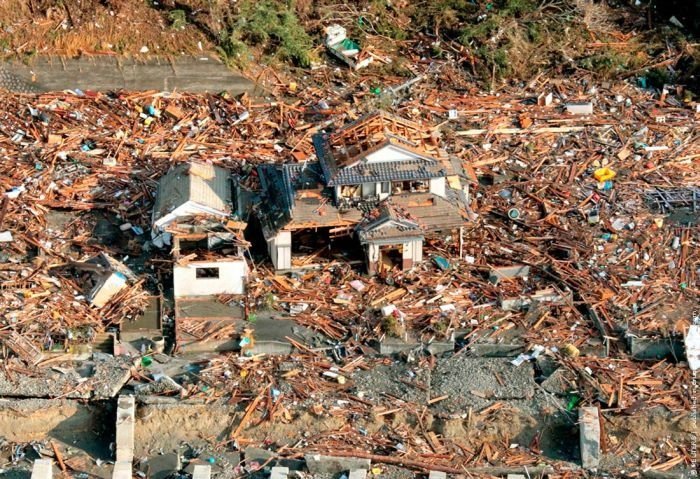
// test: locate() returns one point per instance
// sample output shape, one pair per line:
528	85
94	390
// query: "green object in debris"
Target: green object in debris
684	285
441	262
252	317
376	90
573	401
642	82
146	361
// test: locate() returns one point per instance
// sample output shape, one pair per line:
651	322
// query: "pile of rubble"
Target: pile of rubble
579	254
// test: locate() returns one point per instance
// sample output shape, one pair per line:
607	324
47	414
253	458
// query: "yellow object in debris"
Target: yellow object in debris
244	373
604	174
570	350
376	471
293	86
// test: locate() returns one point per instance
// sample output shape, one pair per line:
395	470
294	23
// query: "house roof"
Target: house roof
411	215
295	197
385	223
432	212
200	183
355	140
345	155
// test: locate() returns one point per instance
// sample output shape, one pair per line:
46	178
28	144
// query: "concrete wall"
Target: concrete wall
102	73
280	249
413	251
231	280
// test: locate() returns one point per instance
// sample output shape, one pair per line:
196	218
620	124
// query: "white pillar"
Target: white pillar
122	470
126	418
589	424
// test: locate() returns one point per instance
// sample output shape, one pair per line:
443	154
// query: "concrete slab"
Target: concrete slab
257	454
358	474
270	335
320	464
42	469
589	424
437	475
515	476
644	348
162	466
391	346
488	350
278	472
508	272
201	471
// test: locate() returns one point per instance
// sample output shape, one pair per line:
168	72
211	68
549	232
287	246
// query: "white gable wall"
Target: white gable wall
189	208
231	280
390	153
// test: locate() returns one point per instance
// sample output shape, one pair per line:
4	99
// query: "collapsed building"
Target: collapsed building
381	178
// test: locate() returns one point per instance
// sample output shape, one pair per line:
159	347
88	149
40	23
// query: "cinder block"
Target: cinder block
42	469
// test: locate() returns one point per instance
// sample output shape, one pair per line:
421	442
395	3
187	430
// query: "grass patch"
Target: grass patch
271	26
178	19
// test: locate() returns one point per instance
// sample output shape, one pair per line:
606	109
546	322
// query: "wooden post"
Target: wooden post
461	242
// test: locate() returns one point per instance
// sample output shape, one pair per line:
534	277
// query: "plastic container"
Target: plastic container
604	174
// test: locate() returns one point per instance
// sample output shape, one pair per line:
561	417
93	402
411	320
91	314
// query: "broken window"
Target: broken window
385	187
202	273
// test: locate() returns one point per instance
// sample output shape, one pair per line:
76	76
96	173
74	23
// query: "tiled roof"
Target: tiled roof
386	223
363	172
295	197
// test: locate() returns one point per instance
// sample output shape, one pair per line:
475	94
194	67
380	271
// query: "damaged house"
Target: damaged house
382	179
197	213
194	213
